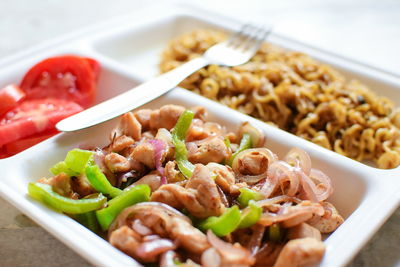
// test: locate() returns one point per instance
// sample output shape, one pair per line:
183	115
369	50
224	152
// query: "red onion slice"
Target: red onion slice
151	249
300	158
325	182
159	147
283	172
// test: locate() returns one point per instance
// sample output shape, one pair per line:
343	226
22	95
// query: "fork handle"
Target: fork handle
131	99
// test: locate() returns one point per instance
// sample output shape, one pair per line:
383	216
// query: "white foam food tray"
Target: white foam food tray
129	50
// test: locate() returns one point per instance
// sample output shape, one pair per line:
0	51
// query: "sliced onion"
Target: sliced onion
300	158
256	238
325	182
283	172
308	187
277	200
159	147
167	259
210	258
150	249
288	213
140	228
232	253
257	136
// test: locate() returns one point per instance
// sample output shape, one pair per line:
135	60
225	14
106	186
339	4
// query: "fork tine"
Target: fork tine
257	39
234	40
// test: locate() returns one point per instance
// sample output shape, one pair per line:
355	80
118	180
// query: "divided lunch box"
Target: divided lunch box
128	49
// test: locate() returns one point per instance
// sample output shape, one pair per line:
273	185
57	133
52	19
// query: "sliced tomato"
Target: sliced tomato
15	147
67	77
96	67
9	97
34	116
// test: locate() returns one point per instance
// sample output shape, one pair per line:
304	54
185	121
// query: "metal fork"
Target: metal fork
238	49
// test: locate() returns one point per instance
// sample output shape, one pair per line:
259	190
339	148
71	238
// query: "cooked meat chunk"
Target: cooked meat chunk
121	142
329	221
143	117
81	186
117	163
129	126
165	222
61	184
210	150
152	179
200	196
165	117
301	252
225	178
144	153
303	230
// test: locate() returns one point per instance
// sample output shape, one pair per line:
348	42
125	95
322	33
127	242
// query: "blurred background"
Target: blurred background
365	30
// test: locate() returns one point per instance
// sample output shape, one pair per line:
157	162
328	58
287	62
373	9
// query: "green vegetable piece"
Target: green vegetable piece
246	194
61	167
100	182
77	159
136	194
274	232
245	143
224	224
89	220
250	215
178	139
45	194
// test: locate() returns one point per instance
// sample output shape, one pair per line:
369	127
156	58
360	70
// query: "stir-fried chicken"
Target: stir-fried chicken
165	222
200	196
208	150
300	253
329	221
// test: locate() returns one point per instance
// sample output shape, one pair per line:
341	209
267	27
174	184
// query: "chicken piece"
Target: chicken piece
143	117
126	240
210	150
81	186
129	126
196	131
225	178
200	196
171	173
121	142
329	221
166	222
141	248
301	252
61	184
152	179
303	230
144	153
117	163
165	117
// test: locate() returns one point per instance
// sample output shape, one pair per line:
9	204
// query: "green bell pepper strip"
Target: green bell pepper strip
274	232
245	143
74	163
61	167
100	182
178	139
223	224
89	220
246	194
136	194
77	159
250	215
45	194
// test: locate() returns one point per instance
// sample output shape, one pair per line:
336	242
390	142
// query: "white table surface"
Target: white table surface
368	31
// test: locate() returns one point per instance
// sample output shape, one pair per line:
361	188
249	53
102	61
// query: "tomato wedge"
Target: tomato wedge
67	77
15	147
9	97
34	116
